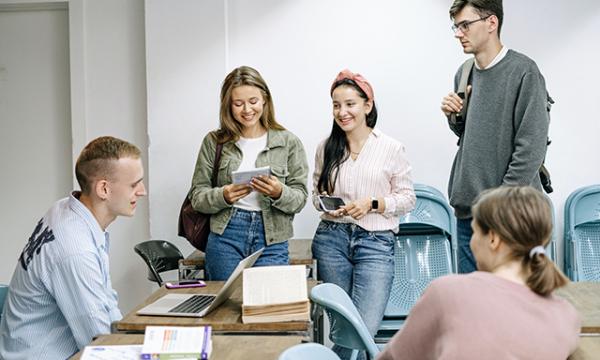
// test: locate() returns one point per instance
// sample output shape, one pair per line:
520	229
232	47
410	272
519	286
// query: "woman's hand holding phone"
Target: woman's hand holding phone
332	205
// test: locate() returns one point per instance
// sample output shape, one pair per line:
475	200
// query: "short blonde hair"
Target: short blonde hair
522	217
97	158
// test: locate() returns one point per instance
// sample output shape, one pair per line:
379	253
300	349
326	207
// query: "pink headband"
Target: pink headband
362	83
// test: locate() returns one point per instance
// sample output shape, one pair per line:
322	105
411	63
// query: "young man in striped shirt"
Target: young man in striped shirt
60	295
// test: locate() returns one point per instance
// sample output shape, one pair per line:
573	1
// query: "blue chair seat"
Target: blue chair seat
310	351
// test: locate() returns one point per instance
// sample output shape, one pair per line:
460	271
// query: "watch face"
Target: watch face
374	204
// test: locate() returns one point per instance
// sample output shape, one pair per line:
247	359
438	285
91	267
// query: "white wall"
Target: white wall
115	104
407	51
35	126
108	97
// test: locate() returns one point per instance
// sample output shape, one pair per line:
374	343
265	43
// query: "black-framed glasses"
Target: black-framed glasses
463	26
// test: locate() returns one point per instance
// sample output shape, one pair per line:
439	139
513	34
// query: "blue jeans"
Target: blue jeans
466	260
243	235
359	261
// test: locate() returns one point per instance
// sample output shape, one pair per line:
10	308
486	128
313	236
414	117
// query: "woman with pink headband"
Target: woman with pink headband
354	245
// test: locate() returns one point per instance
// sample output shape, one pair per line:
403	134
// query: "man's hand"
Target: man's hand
267	185
233	192
452	103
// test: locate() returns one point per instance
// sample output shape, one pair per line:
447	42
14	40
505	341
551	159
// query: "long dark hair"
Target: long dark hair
336	149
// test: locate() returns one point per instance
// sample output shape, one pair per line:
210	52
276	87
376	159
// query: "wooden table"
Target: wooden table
588	349
585	296
227	318
225	347
299	252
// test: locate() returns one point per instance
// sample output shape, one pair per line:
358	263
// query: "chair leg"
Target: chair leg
354	354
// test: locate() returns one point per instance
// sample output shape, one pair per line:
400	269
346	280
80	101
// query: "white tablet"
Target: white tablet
244	177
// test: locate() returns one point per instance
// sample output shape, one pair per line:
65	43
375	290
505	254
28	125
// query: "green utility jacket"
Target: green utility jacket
286	157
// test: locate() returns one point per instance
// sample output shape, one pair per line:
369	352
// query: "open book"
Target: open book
274	294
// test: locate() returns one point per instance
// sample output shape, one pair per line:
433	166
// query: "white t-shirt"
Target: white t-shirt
250	150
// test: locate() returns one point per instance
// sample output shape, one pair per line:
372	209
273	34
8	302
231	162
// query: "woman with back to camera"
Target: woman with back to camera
354	245
505	310
247	217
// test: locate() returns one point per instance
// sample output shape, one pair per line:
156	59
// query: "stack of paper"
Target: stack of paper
172	342
112	352
274	294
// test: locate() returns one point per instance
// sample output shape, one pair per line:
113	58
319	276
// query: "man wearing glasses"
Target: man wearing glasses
503	138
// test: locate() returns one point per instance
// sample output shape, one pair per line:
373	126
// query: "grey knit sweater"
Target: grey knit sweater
504	142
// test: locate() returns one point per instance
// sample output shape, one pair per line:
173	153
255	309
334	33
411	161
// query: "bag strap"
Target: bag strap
215	170
462	90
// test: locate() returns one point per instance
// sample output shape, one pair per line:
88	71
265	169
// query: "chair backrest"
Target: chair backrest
424	250
308	351
582	234
160	256
418	259
347	328
431	214
3	293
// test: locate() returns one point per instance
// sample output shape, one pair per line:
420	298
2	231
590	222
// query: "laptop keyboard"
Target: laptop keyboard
193	305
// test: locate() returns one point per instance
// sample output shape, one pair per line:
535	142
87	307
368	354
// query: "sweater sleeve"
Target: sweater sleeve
531	124
418	338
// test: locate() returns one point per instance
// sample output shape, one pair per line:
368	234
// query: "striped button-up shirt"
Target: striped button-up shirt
381	170
60	295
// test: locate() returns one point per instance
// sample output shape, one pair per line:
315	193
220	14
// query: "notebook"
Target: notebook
198	305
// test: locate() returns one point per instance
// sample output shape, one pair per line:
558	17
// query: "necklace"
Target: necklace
354	153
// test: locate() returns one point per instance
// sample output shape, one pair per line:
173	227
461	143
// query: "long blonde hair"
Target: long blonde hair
522	217
230	129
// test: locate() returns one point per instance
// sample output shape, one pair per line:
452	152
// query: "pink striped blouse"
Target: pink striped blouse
381	170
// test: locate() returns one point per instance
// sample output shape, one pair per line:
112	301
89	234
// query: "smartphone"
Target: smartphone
185	284
330	203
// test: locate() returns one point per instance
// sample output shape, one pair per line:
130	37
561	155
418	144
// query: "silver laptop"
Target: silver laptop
198	305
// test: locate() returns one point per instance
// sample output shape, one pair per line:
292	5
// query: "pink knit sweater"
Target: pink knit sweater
482	316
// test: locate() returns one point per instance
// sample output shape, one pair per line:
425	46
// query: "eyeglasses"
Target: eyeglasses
463	26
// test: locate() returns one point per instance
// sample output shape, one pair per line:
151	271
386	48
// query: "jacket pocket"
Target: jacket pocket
280	171
224	175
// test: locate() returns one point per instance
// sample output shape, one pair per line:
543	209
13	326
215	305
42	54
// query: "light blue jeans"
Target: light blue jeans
244	234
466	260
362	263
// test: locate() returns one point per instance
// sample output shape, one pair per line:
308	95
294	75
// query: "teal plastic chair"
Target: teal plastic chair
424	249
308	351
3	293
582	234
347	328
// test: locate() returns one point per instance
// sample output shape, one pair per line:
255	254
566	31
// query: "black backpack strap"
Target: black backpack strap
457	120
